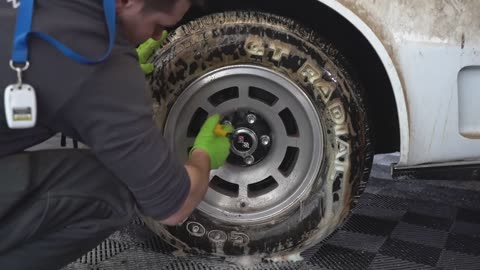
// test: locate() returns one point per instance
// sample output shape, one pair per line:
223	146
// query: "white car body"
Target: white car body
431	52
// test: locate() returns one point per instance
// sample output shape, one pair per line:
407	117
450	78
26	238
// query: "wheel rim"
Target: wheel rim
269	187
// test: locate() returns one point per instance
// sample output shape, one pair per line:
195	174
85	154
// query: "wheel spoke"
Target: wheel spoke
277	156
243	94
293	141
280	179
281	104
278	107
208	107
242	192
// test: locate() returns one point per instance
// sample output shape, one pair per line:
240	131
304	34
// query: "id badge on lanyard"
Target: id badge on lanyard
19	98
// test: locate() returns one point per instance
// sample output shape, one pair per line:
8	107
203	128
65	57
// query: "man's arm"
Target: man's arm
209	152
112	113
198	169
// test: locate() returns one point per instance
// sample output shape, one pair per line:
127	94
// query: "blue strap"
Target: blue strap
24	25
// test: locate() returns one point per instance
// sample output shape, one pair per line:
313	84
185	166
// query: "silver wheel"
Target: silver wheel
282	135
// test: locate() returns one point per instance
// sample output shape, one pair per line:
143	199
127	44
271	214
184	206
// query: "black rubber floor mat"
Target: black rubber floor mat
396	225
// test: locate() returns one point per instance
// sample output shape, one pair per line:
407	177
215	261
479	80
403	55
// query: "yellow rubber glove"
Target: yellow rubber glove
146	50
217	147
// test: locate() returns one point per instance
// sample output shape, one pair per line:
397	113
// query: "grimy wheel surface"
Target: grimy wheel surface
301	148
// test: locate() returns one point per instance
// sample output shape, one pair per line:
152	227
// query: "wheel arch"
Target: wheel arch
386	101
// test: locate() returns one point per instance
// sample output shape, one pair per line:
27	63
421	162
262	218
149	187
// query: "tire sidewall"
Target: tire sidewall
316	67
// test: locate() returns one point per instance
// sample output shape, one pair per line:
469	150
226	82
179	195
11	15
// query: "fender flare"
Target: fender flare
393	76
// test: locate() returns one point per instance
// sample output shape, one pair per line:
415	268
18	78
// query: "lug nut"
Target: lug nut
251	118
265	140
249	160
227	123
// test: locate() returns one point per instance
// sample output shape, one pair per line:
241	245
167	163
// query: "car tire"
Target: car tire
257	43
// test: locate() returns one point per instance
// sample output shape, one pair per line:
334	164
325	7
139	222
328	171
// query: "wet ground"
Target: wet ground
413	224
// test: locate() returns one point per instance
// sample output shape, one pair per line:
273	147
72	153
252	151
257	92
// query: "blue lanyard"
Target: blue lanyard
23	30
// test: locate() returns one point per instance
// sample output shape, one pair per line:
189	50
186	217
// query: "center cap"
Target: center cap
245	142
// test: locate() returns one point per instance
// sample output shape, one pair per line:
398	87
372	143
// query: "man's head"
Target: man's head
142	19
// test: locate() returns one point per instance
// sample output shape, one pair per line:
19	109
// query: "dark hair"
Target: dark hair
167	5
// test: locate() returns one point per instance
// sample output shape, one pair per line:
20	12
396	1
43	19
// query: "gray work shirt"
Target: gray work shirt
105	106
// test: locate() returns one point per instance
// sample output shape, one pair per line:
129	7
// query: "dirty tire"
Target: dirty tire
319	70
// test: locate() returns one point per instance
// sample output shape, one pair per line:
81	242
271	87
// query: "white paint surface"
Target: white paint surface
426	43
433	102
387	62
